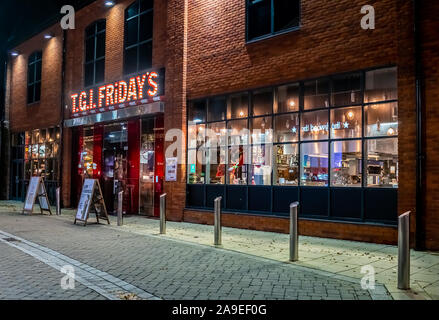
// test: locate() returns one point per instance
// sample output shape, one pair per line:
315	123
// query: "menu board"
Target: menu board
171	169
91	198
36	190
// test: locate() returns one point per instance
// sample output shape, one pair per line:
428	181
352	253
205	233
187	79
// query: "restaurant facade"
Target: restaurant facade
262	103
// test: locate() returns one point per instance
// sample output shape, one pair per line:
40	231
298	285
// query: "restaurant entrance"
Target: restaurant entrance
124	156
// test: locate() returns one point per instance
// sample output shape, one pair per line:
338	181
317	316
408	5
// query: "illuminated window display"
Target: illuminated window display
337	132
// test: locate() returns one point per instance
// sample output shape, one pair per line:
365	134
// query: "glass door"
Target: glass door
147	167
115	166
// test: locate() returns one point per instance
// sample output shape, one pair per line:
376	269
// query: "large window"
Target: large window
34	77
338	131
94	53
138	36
269	17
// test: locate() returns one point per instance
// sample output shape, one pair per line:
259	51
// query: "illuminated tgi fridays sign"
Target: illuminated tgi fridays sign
144	88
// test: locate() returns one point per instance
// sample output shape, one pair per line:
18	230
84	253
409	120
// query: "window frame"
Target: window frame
95	60
138	43
33	62
272	32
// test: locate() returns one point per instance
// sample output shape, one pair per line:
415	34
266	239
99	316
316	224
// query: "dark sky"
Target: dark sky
20	19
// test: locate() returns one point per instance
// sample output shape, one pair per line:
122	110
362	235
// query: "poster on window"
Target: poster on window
171	169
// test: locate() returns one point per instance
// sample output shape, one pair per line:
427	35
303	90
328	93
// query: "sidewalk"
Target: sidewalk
340	257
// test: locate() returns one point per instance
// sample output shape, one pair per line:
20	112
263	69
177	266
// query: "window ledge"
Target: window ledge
272	35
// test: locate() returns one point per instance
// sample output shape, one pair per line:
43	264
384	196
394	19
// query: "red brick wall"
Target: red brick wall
47	112
114	52
430	59
337	230
329	41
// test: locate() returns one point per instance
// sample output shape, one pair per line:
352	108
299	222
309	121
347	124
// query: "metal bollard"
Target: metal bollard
58	201
404	251
163	213
294	234
217	227
119	209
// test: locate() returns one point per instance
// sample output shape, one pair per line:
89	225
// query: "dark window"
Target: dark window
95	53
34	77
268	17
139	18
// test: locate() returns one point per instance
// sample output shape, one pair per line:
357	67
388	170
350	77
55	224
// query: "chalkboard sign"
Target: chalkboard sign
36	190
91	198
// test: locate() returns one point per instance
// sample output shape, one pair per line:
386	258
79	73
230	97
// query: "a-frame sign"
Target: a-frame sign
36	190
91	198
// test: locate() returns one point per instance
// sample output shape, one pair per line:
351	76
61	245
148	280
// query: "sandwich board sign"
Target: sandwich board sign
91	199
36	190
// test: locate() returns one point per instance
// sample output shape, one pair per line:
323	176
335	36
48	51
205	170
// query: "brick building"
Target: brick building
278	101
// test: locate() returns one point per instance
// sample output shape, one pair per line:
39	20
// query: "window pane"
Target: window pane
316	94
238	106
30	94
37	91
216	134
100	71
31	74
197	111
346	163
238	132
196	166
100	46
131	60
286	165
314	164
89	74
346	90
286	14
262	102
260	168
382	162
259	18
146	26
288	98
132	32
287	128
146	5
217	109
101	25
237	168
145	56
381	119
38	66
216	166
90	49
346	123
381	85
133	10
197	135
261	130
314	125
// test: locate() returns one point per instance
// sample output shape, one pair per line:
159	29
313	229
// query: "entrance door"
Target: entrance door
115	166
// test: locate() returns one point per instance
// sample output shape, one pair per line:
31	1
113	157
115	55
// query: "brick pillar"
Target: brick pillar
175	107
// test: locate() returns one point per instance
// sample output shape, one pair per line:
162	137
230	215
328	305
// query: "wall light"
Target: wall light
109	3
48	36
14	53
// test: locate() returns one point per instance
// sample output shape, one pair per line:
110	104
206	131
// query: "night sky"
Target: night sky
20	19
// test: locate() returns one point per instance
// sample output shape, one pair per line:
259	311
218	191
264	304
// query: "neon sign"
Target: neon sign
144	88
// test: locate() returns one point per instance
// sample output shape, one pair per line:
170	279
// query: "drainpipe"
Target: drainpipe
420	154
61	127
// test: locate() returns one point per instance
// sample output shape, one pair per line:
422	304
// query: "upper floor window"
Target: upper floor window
268	17
138	36
94	53
34	77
